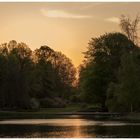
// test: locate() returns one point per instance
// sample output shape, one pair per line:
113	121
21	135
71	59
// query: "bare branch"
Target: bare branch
130	27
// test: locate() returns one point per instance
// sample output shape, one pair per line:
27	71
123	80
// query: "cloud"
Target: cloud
113	19
62	14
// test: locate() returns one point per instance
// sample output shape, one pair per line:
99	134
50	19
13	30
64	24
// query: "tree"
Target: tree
130	27
66	75
45	72
3	75
126	91
27	78
102	61
16	80
57	73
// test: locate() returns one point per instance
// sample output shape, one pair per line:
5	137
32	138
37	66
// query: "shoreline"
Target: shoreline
68	114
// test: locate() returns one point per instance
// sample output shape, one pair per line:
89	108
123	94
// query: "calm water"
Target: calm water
75	127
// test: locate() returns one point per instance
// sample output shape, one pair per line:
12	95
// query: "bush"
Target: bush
52	103
35	104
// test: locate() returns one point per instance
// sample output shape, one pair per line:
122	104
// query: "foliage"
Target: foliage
27	77
100	68
126	91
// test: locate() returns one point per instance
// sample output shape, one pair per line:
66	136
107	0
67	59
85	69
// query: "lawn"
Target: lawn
45	113
42	113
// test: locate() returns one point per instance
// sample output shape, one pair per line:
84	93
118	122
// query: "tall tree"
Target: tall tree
60	68
102	63
45	71
67	74
18	67
126	91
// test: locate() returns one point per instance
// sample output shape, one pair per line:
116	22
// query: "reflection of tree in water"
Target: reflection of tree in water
73	131
70	132
76	130
118	131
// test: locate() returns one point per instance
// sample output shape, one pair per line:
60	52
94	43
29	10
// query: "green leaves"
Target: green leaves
102	62
127	88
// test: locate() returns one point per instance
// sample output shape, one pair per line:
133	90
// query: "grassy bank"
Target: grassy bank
58	112
132	116
42	113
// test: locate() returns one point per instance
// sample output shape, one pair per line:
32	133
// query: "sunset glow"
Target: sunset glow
65	27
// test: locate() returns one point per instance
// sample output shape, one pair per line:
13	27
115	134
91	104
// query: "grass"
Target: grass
42	113
70	108
133	116
53	113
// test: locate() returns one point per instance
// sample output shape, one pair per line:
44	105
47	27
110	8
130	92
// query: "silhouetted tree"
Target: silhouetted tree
18	67
102	61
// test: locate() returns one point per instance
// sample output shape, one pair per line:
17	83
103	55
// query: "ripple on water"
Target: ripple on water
66	122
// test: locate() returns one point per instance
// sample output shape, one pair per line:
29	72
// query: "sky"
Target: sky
65	27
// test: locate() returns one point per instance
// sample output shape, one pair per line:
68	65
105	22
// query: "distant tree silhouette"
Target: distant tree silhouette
27	77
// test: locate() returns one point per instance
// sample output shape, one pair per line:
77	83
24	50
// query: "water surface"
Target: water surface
68	128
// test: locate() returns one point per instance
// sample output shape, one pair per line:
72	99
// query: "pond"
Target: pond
69	127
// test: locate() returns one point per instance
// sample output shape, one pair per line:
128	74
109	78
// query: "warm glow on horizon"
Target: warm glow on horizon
65	27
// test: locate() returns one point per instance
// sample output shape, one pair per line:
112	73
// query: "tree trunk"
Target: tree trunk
131	107
104	108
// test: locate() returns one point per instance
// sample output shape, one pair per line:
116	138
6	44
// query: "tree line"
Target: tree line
32	79
109	77
110	74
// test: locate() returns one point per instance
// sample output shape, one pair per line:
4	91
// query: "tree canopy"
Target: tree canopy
101	65
28	76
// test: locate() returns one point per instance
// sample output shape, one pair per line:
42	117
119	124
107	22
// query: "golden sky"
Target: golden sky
65	27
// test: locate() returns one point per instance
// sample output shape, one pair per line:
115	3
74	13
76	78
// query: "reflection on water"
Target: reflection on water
67	122
68	128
